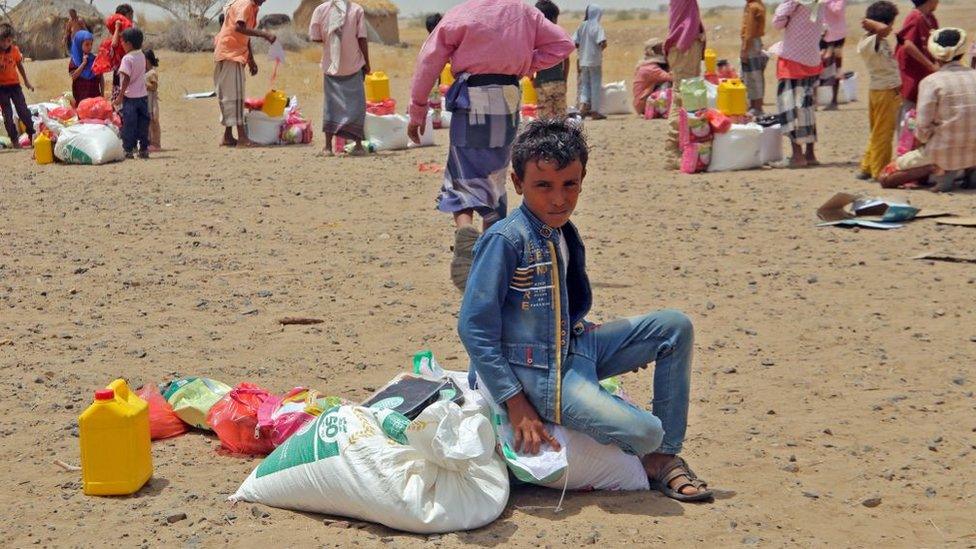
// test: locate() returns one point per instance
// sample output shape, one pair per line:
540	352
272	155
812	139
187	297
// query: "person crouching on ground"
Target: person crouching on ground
133	96
885	97
11	94
522	322
651	73
484	101
232	51
340	25
946	116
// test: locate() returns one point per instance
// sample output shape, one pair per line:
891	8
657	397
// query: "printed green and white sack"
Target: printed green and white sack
442	476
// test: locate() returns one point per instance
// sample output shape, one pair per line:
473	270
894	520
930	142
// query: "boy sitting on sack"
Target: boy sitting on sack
522	323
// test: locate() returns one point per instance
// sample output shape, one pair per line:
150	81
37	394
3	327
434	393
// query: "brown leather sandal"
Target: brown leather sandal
677	468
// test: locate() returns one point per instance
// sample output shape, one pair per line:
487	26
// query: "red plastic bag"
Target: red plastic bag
95	108
163	422
718	120
235	420
254	103
61	113
381	108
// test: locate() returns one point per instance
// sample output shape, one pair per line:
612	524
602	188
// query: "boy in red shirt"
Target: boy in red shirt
11	63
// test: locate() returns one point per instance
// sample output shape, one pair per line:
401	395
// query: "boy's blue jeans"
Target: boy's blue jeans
135	123
591	86
665	338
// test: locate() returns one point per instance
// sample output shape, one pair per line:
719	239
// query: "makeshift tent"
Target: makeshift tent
40	25
381	19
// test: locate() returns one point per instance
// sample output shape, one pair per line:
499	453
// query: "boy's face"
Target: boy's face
126	46
5	43
549	192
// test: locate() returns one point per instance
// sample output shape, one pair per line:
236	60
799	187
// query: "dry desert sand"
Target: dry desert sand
830	366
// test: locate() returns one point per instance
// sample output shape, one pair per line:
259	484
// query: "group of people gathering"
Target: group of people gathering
135	80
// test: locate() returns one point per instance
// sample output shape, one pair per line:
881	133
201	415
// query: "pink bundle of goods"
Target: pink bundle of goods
296	129
906	139
658	104
719	122
254	103
61	114
694	139
381	108
281	417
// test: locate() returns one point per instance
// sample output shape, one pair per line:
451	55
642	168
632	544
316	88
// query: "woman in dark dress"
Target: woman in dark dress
84	82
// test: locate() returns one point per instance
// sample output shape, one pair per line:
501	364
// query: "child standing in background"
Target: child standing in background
590	40
798	71
885	100
133	96
752	56
832	47
152	88
550	84
914	59
84	82
11	94
434	100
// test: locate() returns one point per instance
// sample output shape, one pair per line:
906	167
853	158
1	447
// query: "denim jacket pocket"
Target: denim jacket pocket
527	355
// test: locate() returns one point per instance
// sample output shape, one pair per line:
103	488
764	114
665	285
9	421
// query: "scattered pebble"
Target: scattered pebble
811	495
791	468
872	502
175	517
257	512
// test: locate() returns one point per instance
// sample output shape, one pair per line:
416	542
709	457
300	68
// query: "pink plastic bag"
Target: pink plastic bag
658	104
696	157
235	420
906	139
279	418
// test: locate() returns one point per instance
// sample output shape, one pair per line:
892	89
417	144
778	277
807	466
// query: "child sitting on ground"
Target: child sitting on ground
133	97
11	94
523	324
885	97
152	88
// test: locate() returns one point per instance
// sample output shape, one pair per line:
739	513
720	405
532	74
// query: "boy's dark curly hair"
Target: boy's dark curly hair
882	11
431	21
548	9
133	36
6	31
555	140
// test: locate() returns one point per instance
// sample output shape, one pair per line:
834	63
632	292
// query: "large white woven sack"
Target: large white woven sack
442	475
88	144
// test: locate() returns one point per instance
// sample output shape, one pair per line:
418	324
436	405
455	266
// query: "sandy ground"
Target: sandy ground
830	367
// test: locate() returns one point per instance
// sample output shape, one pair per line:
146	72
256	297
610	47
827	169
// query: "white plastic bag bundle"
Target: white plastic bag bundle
712	94
615	99
88	144
442	476
771	149
848	87
581	463
388	132
426	138
737	149
263	129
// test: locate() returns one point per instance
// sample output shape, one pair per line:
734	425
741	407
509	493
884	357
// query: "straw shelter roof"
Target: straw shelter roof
40	25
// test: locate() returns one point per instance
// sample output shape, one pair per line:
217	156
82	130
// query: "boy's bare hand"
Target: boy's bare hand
414	131
530	431
252	67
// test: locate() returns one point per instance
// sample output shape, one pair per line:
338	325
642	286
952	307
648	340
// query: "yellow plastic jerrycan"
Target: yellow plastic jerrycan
275	102
529	95
732	100
377	87
43	149
711	61
447	77
116	454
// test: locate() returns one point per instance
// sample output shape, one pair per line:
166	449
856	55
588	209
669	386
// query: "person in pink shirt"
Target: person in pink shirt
651	74
832	46
340	25
490	45
133	98
798	70
684	49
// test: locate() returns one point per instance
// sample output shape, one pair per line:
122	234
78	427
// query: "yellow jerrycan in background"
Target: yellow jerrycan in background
711	61
43	149
275	102
116	452
733	98
377	87
529	95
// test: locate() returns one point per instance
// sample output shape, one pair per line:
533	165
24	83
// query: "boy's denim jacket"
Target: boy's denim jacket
518	309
